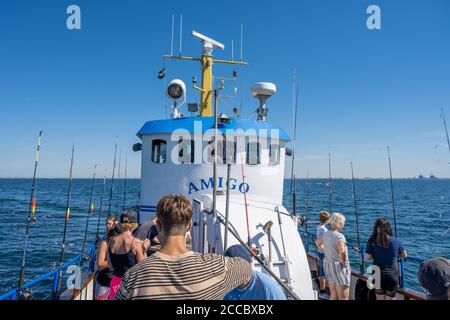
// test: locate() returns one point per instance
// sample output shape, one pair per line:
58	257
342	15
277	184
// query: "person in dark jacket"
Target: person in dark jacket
434	277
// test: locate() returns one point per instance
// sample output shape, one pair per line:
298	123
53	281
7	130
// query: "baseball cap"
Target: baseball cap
240	251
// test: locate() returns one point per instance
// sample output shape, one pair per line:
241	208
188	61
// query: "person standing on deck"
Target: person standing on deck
324	217
124	250
336	263
175	272
385	250
104	274
259	286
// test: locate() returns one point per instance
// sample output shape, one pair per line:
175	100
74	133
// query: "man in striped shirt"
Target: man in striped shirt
175	272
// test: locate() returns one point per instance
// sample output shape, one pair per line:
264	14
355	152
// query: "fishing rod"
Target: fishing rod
445	126
31	216
112	181
118	179
330	187
125	181
392	192
306	208
260	261
90	212
361	263
249	238
97	240
63	244
295	110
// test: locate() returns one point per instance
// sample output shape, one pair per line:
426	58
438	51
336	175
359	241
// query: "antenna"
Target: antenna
171	41
242	37
181	31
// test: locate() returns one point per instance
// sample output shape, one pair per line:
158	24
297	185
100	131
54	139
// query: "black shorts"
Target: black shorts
389	280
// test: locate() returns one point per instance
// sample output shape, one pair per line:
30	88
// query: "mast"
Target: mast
207	62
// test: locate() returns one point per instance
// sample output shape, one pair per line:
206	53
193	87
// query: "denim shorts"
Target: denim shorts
321	269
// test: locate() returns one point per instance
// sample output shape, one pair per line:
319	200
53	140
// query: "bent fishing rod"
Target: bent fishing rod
392	193
260	261
31	217
89	213
361	262
57	292
112	181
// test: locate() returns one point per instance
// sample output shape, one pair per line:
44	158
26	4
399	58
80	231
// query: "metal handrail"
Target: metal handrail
13	294
361	251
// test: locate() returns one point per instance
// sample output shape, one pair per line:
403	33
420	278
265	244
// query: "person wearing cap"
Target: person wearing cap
175	272
124	250
258	286
434	277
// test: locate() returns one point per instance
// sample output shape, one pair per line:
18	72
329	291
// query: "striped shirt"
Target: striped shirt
189	276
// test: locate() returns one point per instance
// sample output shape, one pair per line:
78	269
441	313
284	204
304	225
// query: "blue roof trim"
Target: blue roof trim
170	125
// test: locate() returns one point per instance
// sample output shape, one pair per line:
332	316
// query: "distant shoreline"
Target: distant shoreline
365	178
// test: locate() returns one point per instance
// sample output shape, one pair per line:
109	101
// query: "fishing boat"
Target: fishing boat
232	169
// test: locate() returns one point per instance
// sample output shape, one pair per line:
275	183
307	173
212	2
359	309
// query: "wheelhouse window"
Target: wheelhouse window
186	151
227	151
274	154
253	150
159	151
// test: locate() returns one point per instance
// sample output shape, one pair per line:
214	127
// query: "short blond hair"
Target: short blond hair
337	219
174	213
324	216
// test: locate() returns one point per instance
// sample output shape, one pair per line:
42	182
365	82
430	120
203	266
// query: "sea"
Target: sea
422	213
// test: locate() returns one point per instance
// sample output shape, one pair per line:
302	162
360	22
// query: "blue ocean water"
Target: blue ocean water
423	217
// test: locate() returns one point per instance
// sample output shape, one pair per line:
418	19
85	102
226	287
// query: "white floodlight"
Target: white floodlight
205	39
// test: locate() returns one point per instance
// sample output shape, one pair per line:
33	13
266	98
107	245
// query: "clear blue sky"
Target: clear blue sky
360	90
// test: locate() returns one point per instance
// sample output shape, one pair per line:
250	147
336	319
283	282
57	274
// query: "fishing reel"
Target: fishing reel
24	294
85	257
53	266
302	221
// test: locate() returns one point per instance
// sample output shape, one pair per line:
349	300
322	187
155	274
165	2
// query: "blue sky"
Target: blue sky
360	89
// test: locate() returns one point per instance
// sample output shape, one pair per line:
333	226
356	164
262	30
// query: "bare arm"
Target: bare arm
108	258
403	254
343	251
140	249
102	259
319	244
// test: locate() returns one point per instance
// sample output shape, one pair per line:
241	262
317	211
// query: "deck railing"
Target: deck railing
310	244
15	294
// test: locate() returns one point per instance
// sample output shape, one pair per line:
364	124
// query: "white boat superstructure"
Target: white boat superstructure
179	157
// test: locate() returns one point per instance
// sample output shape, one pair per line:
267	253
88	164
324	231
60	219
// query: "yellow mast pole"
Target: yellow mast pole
206	89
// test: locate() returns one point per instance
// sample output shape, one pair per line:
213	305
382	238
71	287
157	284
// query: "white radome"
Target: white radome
264	89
